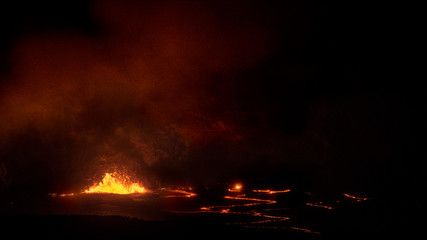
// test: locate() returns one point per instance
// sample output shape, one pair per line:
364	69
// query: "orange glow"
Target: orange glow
304	230
356	198
182	193
236	188
61	195
258	200
271	191
111	183
320	205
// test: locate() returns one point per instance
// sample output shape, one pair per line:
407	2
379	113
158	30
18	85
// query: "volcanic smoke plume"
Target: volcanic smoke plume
151	82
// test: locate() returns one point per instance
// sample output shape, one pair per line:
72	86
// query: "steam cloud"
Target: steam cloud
136	96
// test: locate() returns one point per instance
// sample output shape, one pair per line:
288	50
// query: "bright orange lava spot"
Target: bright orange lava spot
117	185
236	188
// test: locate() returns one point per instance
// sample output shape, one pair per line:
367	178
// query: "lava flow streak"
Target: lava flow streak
181	193
320	205
271	191
257	200
356	198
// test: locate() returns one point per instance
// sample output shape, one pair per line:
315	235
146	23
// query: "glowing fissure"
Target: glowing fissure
228	209
259	200
320	205
182	193
271	191
113	184
304	230
354	197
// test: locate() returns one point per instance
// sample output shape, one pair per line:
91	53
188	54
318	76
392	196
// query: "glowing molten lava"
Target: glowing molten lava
113	184
236	188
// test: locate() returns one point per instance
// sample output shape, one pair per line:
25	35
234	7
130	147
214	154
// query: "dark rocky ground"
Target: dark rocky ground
118	217
119	227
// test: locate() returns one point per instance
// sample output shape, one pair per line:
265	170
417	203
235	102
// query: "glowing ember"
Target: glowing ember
113	184
236	188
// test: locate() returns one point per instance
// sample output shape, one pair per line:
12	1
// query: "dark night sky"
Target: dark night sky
297	92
